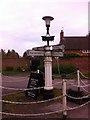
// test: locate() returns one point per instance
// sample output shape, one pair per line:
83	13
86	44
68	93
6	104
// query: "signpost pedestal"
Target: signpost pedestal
48	89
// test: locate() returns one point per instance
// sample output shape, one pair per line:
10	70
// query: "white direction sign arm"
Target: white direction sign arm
57	54
34	53
58	47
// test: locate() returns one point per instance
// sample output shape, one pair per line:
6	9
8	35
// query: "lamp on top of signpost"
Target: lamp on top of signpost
47	38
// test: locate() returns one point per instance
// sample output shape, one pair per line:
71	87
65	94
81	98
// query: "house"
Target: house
76	44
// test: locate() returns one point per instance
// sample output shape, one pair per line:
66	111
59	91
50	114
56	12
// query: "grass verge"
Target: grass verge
21	97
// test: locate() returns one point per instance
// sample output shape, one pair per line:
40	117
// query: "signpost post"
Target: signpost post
48	52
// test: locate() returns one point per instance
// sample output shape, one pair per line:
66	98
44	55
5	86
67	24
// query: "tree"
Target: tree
3	54
12	54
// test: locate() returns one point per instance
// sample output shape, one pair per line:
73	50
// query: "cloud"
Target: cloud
22	26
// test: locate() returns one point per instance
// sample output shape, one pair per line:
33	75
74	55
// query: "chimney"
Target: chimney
61	37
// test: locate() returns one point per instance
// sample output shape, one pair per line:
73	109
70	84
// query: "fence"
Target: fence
63	97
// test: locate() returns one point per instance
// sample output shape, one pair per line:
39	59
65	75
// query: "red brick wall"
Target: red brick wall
83	63
15	63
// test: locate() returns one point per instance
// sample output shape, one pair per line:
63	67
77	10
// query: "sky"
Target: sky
21	24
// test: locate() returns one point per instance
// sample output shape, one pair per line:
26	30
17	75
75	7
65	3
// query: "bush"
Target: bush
69	55
55	70
20	69
9	68
64	69
67	69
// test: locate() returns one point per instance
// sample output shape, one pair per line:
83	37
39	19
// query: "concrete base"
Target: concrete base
48	94
64	117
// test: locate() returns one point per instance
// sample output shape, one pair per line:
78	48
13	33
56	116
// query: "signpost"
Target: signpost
36	80
56	52
48	52
54	48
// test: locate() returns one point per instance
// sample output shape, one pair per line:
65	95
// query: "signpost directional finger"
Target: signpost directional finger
34	53
57	54
42	53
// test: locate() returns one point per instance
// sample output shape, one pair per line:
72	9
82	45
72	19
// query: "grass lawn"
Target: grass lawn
21	97
14	72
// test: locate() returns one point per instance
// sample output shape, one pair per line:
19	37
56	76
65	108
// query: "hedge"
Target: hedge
64	69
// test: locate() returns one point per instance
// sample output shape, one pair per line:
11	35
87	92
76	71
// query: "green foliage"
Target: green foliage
55	70
9	68
69	55
67	69
13	72
20	68
41	66
64	69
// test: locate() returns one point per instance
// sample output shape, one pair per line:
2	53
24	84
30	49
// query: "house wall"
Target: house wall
73	51
80	52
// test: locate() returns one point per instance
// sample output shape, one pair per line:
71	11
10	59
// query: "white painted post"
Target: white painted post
78	79
48	73
64	100
38	71
48	88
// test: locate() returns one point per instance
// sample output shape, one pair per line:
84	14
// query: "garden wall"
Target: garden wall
15	63
83	63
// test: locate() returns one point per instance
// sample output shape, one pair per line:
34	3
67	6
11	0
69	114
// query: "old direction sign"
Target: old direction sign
58	47
42	53
55	48
39	48
34	53
57	54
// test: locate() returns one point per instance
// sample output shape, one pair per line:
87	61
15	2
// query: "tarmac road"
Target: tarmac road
21	82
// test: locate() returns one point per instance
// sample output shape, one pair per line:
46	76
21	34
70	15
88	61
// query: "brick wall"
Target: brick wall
83	63
15	63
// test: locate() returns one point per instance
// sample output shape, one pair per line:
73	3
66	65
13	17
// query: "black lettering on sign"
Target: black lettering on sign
35	81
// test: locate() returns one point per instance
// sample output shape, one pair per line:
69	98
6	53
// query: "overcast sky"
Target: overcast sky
21	24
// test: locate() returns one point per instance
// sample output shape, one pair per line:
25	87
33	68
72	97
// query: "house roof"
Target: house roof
77	43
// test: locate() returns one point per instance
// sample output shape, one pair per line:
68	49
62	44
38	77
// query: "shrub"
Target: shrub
9	68
64	69
20	69
55	70
69	55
